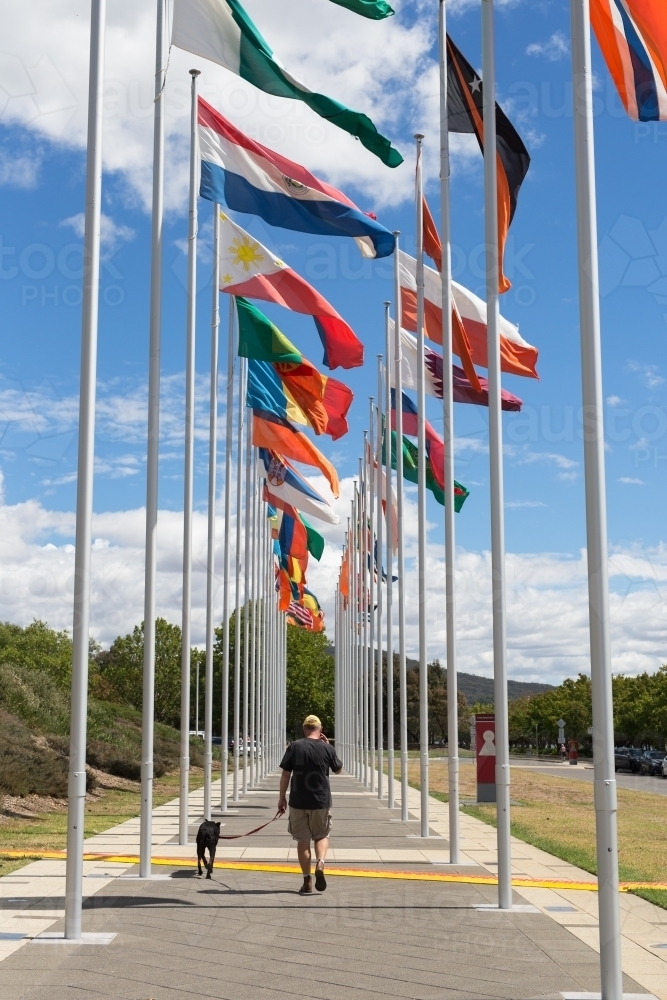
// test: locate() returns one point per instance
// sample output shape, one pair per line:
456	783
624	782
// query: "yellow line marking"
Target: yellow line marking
287	869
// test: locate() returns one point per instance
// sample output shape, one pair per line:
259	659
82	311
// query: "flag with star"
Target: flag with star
248	269
465	110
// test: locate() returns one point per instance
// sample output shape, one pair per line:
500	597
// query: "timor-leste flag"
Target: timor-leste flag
466	114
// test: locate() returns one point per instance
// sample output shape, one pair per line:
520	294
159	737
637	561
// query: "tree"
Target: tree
122	669
39	647
310	680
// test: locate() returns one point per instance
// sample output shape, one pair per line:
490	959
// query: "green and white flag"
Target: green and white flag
375	9
220	30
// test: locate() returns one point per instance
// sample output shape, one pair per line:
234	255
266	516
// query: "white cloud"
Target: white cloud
547	605
19	171
555	48
614	400
384	69
632	480
562	461
648	374
111	233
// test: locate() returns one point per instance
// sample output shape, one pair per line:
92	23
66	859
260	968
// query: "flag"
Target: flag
460	342
248	269
516	356
344	577
411	473
435	446
220	30
278	370
463	391
248	177
633	37
314	541
317	395
284	485
277	434
375	9
465	112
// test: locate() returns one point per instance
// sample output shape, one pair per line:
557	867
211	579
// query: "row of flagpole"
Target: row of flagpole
355	660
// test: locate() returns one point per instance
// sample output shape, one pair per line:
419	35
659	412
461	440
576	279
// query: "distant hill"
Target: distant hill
481	688
477	688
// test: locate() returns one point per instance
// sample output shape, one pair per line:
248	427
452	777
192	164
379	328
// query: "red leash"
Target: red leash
237	836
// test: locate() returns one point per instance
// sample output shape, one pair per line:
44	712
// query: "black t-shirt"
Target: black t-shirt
310	762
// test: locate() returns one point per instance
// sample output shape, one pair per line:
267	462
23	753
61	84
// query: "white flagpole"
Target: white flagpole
183	818
390	567
448	436
596	510
421	501
210	554
76	785
496	465
402	668
364	605
237	616
247	706
251	614
368	458
152	455
229	445
379	692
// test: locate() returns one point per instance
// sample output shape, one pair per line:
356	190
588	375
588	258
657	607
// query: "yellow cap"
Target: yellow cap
311	721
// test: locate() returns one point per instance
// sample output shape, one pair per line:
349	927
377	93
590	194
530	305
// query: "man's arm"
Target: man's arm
282	794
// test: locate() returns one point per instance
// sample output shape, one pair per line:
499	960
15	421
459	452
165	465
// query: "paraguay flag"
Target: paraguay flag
248	177
633	37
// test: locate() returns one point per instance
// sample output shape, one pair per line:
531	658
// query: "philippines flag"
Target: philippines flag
248	177
633	37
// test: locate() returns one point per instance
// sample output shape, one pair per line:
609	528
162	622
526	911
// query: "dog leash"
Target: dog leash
237	836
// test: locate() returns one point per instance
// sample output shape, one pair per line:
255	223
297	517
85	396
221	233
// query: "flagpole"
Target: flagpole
237	617
251	595
368	457
355	622
152	455
186	611
364	606
247	705
250	518
448	437
402	666
229	445
76	783
210	554
390	566
596	509
496	465
421	502
379	685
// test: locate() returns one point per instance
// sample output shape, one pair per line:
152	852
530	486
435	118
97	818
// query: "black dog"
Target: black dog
208	835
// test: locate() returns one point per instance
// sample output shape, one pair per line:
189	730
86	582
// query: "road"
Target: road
583	771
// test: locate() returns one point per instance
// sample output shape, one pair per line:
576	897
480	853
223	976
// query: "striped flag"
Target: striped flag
633	37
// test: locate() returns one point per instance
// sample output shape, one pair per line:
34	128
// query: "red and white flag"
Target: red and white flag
516	355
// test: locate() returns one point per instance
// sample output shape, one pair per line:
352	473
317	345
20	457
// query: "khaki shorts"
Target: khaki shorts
309	824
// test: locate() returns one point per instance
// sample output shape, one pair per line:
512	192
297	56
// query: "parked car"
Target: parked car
651	762
627	759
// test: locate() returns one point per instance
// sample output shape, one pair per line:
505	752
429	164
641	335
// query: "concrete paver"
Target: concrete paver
249	934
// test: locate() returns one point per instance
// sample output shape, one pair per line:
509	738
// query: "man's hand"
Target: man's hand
282	805
323	738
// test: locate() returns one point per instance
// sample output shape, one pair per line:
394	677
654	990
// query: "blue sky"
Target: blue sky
42	167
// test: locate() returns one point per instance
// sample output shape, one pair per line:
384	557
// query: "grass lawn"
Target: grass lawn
557	815
48	831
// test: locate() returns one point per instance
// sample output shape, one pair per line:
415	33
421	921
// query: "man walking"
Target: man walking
308	762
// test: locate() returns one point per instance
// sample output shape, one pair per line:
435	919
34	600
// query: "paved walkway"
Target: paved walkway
248	934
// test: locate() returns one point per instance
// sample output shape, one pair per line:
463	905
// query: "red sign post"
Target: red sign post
573	747
485	747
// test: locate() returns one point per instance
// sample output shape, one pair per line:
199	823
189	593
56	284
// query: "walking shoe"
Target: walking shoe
307	887
320	881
